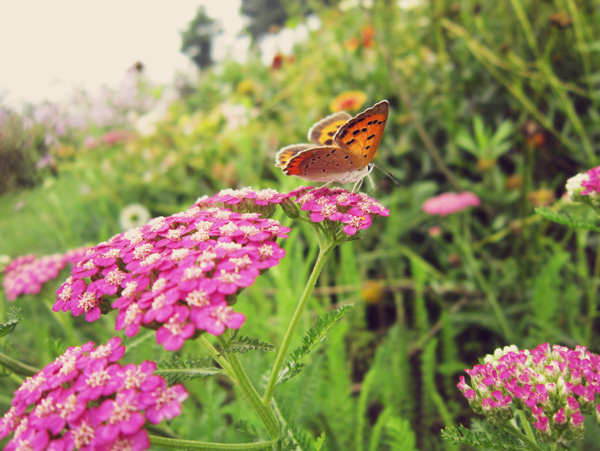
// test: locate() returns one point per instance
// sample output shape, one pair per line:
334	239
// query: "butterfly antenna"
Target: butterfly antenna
391	177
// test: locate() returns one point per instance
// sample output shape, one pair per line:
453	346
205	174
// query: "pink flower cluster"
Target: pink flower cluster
337	205
553	385
84	400
447	203
27	274
591	181
177	274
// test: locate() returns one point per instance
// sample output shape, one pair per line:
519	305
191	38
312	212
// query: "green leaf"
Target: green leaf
564	218
186	368
14	317
315	335
498	439
245	344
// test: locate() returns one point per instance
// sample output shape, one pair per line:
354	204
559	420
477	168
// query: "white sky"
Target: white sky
48	48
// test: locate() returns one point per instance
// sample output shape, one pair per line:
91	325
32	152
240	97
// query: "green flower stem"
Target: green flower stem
16	366
215	354
324	250
172	443
240	377
467	251
511	429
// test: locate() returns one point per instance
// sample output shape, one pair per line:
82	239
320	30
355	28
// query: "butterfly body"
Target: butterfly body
341	150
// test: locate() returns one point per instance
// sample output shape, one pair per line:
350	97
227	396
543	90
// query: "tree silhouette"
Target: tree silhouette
196	41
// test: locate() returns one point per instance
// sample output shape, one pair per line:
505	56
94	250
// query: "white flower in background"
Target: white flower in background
235	115
133	215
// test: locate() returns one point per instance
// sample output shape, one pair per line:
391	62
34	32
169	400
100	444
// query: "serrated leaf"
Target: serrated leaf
245	344
498	439
14	317
247	428
564	218
186	368
315	335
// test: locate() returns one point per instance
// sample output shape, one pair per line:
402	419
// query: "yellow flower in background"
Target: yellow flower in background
372	291
349	100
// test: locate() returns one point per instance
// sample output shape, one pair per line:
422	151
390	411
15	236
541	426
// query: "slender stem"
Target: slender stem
16	366
192	444
265	412
287	339
215	354
491	297
515	431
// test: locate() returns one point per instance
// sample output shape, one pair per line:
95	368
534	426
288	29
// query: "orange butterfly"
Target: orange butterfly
345	146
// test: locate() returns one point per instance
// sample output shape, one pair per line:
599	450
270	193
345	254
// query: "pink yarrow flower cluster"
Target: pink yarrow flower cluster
334	206
553	385
85	400
585	187
27	274
447	203
177	274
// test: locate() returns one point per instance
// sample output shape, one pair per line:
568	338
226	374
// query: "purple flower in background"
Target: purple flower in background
85	400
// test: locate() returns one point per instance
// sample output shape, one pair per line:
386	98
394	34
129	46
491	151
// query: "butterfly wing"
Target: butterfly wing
323	164
362	134
286	153
322	132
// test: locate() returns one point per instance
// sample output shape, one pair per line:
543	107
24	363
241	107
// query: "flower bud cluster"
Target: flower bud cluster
553	386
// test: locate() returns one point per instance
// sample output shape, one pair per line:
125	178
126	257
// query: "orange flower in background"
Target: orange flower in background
349	100
277	61
367	34
352	44
541	198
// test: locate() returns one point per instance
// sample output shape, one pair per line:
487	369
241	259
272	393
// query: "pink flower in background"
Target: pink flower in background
27	274
591	181
553	385
85	400
447	203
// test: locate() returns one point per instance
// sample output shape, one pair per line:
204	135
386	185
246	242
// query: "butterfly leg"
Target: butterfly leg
357	186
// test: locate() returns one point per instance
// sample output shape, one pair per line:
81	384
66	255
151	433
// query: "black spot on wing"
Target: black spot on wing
371	137
350	142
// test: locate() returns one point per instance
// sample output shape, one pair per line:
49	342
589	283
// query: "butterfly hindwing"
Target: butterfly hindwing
286	153
362	134
321	163
322	132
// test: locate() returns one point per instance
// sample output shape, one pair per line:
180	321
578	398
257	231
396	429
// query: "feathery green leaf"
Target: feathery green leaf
567	219
498	439
315	335
185	368
245	344
14	317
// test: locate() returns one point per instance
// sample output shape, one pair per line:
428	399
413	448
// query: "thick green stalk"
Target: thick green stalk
192	444
265	412
287	339
238	375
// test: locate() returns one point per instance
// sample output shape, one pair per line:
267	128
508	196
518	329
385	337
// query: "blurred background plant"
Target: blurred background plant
497	98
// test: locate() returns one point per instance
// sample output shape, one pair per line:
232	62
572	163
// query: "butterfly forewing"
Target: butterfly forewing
322	163
322	132
362	134
286	153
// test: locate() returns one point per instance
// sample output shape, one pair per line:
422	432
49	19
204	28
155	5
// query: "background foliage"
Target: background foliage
499	98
